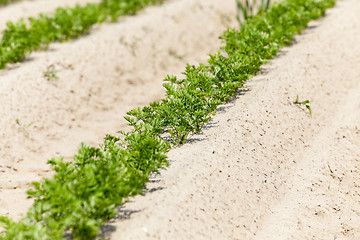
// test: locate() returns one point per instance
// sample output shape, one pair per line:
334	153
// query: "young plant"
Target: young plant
50	73
248	8
23	128
306	103
21	38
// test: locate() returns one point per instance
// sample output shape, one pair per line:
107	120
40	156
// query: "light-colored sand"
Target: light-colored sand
262	169
101	76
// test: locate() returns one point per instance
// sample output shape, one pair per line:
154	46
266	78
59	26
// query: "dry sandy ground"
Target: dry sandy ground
262	169
100	77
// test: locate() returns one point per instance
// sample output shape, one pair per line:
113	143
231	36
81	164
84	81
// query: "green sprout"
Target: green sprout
23	128
246	10
50	73
306	103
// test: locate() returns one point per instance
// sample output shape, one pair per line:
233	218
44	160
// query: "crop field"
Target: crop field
179	119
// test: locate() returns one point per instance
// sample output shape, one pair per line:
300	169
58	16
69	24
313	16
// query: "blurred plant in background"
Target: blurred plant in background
249	8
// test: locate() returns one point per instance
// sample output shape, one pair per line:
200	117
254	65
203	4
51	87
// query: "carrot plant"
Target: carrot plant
20	39
84	192
6	2
22	127
306	103
50	73
249	8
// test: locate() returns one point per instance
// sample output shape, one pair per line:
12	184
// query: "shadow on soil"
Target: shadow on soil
108	228
125	213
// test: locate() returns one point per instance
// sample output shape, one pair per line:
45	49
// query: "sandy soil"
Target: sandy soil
100	77
262	169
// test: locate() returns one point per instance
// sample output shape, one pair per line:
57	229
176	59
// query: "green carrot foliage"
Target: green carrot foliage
20	39
6	2
85	191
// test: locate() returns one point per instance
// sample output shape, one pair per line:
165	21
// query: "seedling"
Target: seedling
175	54
246	10
23	128
306	103
50	73
131	45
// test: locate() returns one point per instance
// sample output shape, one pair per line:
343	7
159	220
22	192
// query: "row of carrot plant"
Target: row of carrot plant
5	2
20	39
85	192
